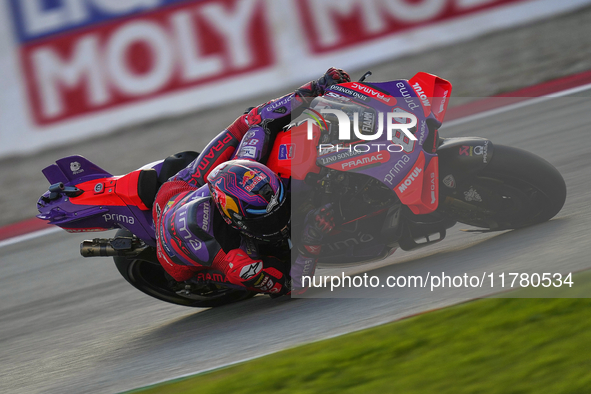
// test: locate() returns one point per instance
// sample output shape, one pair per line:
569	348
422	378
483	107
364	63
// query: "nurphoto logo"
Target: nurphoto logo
394	121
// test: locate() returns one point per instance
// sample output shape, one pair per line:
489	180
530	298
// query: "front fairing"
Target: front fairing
409	168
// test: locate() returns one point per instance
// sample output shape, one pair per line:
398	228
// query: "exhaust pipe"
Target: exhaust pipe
120	246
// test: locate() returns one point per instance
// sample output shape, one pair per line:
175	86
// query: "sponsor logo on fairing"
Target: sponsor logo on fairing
123	219
443	100
419	90
400	164
350	92
424	133
367	123
76	168
410	179
433	196
338	96
338	156
407	96
373	93
286	151
361	162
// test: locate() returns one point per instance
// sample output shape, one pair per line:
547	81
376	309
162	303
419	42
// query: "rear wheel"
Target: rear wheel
516	189
150	279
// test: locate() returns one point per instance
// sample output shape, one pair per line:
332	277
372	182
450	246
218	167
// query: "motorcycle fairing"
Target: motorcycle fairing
112	191
106	202
293	154
72	169
433	93
419	190
395	168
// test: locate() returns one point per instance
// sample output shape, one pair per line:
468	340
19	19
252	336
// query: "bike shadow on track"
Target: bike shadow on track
523	250
531	249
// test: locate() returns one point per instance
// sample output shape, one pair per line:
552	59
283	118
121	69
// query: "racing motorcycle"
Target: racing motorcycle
392	184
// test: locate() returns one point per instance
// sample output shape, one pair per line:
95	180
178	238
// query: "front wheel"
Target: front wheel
150	279
516	189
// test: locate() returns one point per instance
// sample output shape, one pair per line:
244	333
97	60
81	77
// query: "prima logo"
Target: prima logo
400	164
344	124
406	96
123	219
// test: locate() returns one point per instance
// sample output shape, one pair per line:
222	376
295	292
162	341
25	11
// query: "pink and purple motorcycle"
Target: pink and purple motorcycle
387	189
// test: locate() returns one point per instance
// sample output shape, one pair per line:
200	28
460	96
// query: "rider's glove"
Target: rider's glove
240	269
332	77
318	87
318	223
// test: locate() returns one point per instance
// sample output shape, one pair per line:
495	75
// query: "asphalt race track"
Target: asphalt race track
73	325
70	324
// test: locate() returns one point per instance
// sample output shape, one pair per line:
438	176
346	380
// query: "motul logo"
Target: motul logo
421	94
410	179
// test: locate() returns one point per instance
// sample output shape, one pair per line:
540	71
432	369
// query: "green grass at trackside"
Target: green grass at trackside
503	346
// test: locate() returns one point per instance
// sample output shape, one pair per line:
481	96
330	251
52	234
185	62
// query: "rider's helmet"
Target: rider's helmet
251	198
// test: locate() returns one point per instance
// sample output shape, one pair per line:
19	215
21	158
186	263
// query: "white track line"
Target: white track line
29	236
466	119
512	107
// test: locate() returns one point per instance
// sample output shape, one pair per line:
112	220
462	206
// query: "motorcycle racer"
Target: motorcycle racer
246	236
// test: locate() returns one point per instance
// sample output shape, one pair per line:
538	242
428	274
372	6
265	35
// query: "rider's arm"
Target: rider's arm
266	120
317	224
261	124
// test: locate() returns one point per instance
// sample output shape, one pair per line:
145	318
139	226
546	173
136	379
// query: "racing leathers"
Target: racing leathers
190	232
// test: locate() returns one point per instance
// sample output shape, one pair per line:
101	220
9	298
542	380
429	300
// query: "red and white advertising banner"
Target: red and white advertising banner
74	68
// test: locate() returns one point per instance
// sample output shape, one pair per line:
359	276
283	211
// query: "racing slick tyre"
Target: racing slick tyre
150	278
516	189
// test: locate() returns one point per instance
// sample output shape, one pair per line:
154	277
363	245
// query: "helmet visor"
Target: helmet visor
271	224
